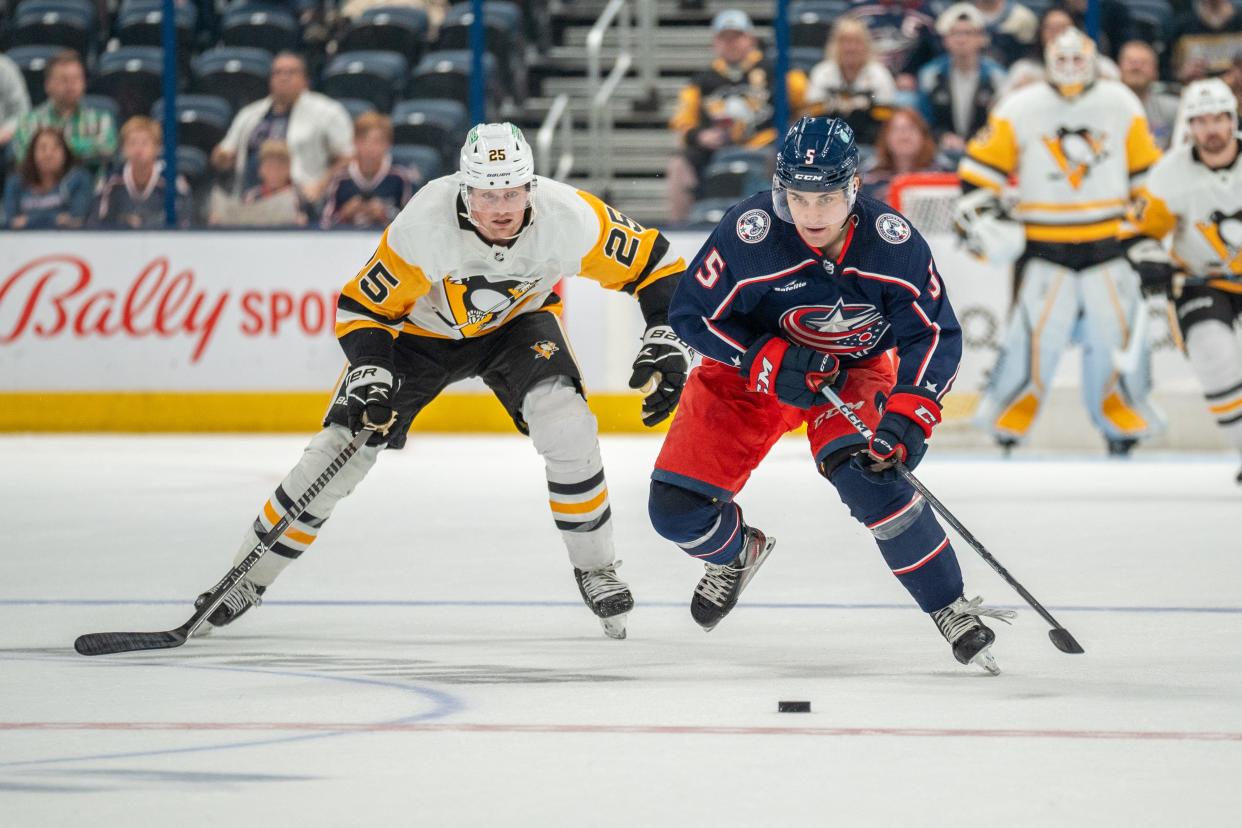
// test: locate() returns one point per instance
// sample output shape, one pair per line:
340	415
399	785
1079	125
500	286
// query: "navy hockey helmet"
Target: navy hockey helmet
818	155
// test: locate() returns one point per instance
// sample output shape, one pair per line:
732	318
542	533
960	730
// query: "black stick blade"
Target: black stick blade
1065	642
104	643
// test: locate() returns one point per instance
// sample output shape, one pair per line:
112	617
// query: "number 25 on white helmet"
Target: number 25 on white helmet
497	179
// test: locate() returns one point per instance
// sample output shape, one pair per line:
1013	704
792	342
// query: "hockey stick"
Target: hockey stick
103	643
1060	636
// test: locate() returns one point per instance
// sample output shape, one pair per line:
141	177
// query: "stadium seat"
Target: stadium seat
140	23
810	21
413	156
104	103
202	120
356	106
432	122
710	211
397	29
503	32
378	77
236	73
447	75
261	27
734	178
61	23
32	60
131	76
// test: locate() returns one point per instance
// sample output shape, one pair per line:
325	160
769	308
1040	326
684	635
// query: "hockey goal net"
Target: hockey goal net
927	199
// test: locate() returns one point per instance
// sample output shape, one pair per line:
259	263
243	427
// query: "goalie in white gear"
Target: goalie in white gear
1194	195
1079	146
461	285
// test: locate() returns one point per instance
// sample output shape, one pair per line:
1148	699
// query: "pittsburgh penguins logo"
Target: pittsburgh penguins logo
545	349
475	301
1076	152
1223	233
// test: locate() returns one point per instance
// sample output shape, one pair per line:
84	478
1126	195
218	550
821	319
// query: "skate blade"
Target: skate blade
985	660
614	626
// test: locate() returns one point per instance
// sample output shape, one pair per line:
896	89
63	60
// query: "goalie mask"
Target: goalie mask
1070	62
817	156
494	161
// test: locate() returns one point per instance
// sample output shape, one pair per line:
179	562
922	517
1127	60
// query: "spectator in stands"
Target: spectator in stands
1202	41
850	83
316	129
957	89
903	34
1011	27
90	133
275	202
1138	64
905	146
1116	24
371	190
14	101
1031	68
726	105
134	197
49	191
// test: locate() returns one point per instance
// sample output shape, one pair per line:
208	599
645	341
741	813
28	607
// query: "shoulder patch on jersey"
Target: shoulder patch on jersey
892	228
753	226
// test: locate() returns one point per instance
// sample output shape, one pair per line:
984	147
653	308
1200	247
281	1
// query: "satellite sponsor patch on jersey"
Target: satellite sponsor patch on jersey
753	226
892	228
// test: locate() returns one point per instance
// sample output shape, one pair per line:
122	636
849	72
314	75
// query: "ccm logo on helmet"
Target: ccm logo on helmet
807	177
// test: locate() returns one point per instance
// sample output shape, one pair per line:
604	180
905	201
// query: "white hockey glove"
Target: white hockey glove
1154	267
368	396
985	227
660	371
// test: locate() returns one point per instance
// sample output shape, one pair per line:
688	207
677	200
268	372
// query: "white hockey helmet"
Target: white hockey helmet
1070	62
1209	97
496	157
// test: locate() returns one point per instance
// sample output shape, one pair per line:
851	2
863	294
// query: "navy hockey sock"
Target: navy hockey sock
707	529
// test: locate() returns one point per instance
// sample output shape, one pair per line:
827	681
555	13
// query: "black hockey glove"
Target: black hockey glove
1154	267
368	395
660	370
901	436
791	373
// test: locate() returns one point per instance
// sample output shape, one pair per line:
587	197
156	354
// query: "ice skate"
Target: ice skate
721	585
246	595
972	640
1121	447
607	596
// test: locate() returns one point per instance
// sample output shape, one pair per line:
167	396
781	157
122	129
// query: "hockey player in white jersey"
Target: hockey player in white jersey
1195	194
1079	147
461	285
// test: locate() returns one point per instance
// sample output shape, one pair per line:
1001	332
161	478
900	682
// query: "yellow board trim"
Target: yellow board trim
132	412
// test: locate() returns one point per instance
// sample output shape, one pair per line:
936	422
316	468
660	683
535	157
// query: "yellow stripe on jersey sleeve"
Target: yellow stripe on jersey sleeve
626	256
1141	148
991	156
382	293
1150	215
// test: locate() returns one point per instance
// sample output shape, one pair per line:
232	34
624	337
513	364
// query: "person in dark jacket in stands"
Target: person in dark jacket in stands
49	191
371	190
134	197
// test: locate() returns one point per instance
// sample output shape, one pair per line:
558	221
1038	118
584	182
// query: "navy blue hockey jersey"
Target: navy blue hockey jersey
756	275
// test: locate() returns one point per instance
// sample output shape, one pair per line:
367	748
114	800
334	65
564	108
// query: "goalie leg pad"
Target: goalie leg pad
322	449
912	541
565	434
704	527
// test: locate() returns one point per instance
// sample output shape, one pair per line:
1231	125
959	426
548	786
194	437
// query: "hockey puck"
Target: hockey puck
793	707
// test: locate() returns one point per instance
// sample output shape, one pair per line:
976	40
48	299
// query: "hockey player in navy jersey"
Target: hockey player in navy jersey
806	285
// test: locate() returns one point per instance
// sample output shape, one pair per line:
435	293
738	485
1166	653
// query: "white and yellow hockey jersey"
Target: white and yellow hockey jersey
1077	160
1201	207
433	275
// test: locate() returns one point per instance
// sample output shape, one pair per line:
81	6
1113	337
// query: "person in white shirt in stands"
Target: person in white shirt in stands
850	83
317	129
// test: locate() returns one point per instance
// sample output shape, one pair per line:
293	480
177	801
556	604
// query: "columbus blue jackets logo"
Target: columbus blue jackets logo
840	329
892	228
753	226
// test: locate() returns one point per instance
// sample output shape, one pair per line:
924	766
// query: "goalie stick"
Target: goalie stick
104	643
1060	636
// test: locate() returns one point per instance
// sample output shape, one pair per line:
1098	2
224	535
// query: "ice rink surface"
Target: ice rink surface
429	661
